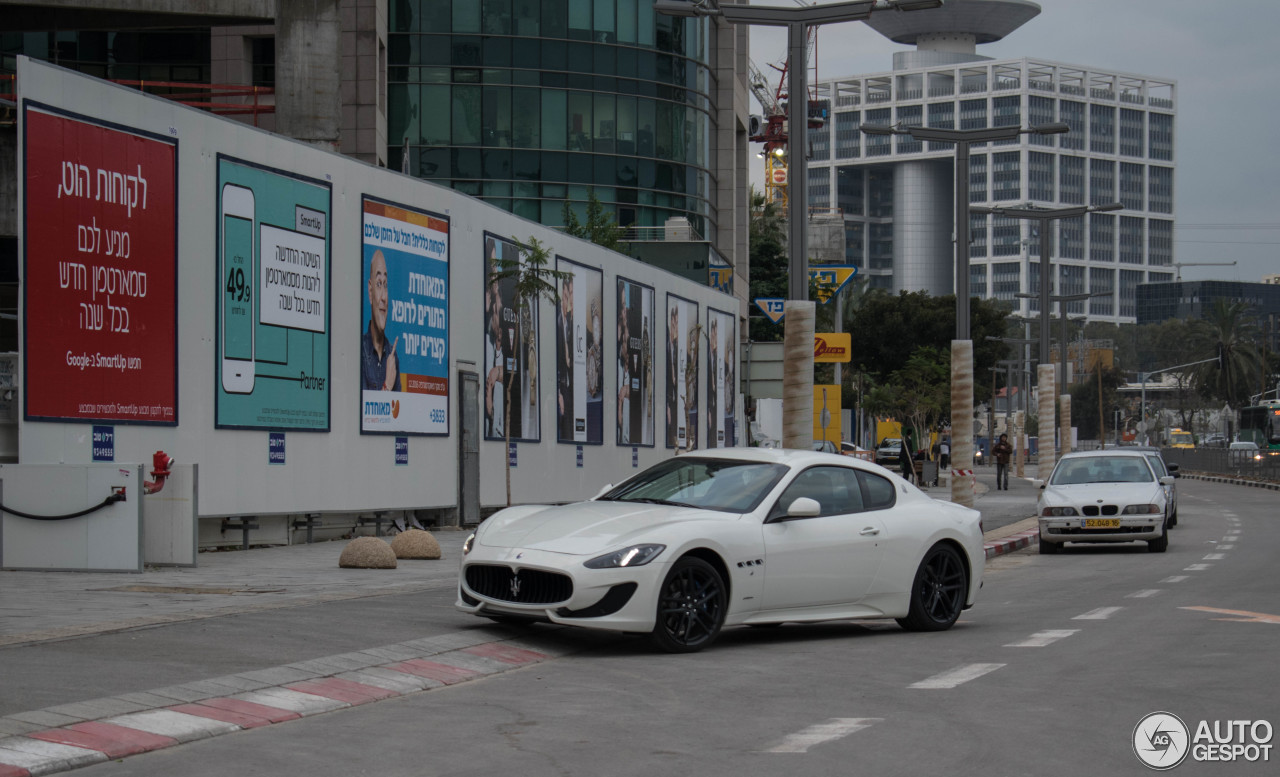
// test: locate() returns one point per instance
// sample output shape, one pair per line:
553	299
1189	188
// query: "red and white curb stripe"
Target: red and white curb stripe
88	742
1011	543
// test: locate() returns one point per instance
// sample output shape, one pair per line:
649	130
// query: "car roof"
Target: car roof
1130	452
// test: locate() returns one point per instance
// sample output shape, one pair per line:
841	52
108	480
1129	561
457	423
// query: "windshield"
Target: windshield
1101	469
1180	438
714	484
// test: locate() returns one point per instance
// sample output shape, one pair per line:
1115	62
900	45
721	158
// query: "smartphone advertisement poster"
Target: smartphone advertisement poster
404	344
273	251
99	271
510	347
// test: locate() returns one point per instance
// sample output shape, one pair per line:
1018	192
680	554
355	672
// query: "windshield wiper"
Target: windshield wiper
654	501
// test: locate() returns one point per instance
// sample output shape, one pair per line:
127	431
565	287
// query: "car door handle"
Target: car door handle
870	530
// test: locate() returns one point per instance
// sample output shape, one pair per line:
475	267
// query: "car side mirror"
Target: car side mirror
804	507
1173	470
1167	480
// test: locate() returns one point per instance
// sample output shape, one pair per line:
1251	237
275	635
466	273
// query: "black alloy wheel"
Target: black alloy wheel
939	591
691	607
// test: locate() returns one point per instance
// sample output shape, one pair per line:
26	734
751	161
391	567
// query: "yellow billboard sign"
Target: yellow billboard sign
826	413
832	347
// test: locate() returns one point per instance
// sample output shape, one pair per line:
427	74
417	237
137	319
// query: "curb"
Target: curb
74	735
1234	481
1011	543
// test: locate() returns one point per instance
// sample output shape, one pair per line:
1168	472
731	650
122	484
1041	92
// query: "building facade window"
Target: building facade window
1006	176
1040	176
1006	236
978	178
942	116
1102	237
1006	280
881	246
819	187
1129	280
1072	114
1130	239
854	250
1132	133
848	136
880	192
1160	242
1007	112
1071	179
1132	185
879	145
1102	129
973	115
1071	238
1071	282
978	280
1102	281
910	116
1160	136
978	241
850	196
1160	189
1102	181
820	143
1040	110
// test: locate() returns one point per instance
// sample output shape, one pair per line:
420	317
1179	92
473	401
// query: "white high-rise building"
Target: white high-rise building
895	194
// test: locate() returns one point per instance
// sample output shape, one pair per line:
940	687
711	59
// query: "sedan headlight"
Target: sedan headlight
1142	510
634	556
466	546
1057	512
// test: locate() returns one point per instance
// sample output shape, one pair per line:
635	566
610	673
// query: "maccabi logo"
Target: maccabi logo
1160	740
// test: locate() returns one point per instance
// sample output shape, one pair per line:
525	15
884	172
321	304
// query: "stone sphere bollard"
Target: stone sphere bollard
367	553
415	543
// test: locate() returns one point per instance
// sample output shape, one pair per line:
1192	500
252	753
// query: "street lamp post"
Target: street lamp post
797	403
962	346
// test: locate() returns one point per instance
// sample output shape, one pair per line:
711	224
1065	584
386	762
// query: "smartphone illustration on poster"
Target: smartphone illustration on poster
236	279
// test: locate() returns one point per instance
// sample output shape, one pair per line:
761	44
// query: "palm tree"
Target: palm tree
1232	333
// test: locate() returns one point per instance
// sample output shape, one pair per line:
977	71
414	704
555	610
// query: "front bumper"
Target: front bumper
610	599
1073	529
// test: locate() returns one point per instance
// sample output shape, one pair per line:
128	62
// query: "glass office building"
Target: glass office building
527	103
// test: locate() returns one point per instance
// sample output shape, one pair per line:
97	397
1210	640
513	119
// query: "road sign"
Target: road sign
772	307
831	279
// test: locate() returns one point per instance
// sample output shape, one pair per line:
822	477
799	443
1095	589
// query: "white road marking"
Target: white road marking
1175	579
1100	614
820	733
1147	594
1042	638
1227	547
957	676
1215	557
1197	567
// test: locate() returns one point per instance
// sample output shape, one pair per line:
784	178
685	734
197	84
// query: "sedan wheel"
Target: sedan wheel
939	591
691	607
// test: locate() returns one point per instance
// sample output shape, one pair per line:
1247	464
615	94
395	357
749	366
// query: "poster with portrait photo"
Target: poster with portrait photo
635	363
682	373
580	354
510	350
722	344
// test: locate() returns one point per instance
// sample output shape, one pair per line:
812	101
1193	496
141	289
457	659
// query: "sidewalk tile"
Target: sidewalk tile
184	728
266	712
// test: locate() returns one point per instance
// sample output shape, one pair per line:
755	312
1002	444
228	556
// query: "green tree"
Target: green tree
767	236
1230	330
918	394
534	280
1084	401
600	226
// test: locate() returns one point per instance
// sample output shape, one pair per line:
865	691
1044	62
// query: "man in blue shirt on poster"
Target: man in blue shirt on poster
379	369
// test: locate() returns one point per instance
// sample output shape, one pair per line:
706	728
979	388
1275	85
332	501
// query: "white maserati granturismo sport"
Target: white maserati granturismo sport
730	537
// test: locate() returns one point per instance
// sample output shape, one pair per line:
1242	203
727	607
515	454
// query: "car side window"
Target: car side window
835	489
1157	464
877	492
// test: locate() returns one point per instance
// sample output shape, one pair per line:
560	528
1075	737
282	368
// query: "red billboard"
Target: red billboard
99	271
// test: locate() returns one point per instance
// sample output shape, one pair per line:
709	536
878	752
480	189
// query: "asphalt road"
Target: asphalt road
1049	674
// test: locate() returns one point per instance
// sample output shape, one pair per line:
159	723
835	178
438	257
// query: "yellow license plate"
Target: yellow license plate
1102	523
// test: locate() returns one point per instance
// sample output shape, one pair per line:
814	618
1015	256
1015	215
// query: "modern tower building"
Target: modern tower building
896	194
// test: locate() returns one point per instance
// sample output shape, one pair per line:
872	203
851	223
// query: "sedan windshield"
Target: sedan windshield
1101	469
712	484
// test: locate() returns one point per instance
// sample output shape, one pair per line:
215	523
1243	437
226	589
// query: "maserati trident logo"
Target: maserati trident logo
515	586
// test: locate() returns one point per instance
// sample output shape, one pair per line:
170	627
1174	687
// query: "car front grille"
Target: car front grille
1104	510
525	586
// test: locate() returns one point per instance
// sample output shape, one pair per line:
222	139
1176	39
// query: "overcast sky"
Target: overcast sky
1224	57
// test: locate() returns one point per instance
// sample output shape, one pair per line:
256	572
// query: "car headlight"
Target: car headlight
466	546
1141	510
1057	512
634	556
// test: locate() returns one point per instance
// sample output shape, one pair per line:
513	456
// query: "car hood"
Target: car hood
586	527
1100	493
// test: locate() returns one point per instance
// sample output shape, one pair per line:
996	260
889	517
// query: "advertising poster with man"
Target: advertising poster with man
99	271
580	354
635	363
682	373
272	310
404	345
510	350
722	345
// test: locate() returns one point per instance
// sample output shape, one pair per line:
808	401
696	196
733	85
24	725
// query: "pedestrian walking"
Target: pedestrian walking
944	453
1002	451
904	460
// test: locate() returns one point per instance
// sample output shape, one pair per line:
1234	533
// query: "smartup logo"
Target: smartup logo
1160	740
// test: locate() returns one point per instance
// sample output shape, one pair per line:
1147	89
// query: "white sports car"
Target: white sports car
732	536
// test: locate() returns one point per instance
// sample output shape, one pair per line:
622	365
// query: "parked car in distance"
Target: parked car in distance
1243	453
824	446
887	451
724	537
1103	496
850	449
1214	441
1162	468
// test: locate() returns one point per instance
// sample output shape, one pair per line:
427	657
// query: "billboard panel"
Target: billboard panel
272	287
722	346
100	271
580	354
404	342
682	373
636	334
510	349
